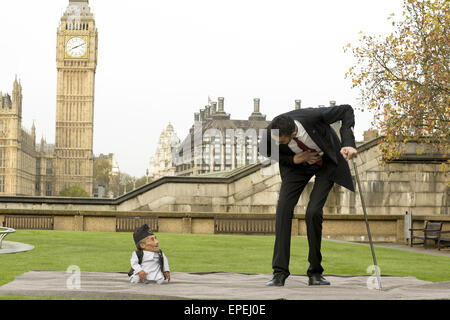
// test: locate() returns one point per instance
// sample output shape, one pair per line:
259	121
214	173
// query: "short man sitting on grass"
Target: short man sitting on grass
148	263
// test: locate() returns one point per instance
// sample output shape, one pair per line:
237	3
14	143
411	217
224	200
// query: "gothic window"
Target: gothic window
38	167
48	189
2	184
2	158
49	166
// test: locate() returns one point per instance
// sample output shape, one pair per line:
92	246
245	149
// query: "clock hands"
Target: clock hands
78	46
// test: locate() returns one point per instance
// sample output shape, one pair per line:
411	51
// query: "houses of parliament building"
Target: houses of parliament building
41	169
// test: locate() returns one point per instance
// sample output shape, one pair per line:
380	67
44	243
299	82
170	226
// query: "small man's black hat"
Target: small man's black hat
142	233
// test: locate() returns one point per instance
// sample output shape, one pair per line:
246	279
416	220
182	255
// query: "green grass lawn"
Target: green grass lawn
111	252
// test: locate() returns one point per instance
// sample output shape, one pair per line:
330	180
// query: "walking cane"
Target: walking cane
377	270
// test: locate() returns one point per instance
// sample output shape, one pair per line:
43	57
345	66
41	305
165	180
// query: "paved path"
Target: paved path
444	252
14	247
223	286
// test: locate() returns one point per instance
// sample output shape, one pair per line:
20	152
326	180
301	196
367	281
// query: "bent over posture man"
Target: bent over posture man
307	147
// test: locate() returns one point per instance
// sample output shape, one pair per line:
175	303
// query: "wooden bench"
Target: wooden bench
443	241
29	222
130	224
432	231
244	225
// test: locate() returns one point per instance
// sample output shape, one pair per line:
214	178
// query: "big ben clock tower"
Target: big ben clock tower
76	59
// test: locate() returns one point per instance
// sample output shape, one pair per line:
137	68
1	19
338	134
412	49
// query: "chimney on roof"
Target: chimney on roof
256	105
257	115
221	114
298	104
207	113
370	134
221	105
202	115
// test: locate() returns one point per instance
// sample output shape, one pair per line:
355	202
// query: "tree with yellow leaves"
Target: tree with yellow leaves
404	78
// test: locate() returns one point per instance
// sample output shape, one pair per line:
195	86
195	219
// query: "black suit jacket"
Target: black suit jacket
316	122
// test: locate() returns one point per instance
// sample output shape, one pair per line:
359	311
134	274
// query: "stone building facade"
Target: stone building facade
216	143
28	168
77	50
161	164
45	179
17	153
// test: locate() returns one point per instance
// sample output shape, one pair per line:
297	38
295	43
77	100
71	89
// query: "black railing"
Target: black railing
130	224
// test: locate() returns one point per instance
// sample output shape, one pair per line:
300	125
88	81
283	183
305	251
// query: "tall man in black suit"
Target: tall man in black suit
307	147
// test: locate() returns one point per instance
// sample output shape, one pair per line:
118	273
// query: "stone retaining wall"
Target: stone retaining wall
417	185
384	228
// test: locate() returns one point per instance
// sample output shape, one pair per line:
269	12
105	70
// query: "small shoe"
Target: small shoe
277	281
318	280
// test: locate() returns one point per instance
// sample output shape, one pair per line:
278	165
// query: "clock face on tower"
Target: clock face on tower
76	47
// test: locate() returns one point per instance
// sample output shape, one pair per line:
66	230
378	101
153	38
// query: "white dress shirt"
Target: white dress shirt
304	137
150	265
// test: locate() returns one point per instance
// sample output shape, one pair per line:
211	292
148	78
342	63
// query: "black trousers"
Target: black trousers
294	181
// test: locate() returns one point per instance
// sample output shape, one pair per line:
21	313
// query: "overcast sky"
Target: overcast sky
160	60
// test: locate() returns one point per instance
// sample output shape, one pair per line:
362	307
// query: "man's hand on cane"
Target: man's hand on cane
349	153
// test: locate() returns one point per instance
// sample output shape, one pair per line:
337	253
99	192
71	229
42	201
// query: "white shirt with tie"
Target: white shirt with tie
304	137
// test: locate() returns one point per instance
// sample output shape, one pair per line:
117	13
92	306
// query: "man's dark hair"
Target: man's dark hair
284	124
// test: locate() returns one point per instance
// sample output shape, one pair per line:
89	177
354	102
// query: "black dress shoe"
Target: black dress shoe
277	280
318	280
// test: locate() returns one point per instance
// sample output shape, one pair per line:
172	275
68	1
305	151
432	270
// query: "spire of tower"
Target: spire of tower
42	144
16	83
17	96
77	9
